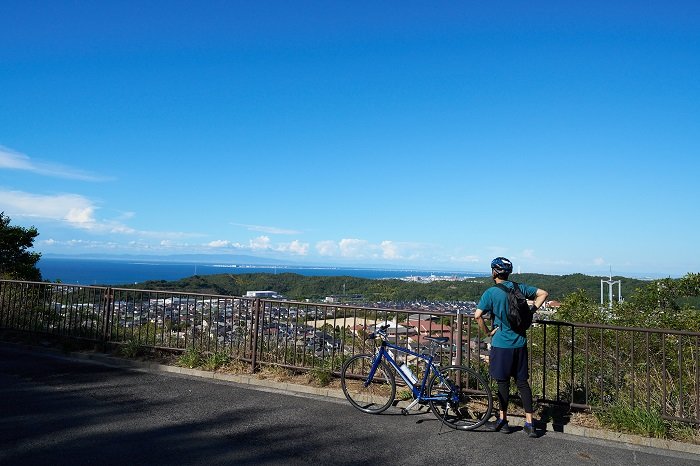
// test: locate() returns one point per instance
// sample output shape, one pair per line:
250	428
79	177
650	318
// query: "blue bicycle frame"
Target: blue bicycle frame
418	391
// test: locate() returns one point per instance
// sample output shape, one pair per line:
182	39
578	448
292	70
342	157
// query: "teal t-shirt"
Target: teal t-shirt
494	301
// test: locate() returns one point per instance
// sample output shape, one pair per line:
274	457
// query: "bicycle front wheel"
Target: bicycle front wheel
373	396
464	399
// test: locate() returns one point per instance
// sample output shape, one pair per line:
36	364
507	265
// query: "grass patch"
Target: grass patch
130	349
191	358
684	433
321	377
215	361
633	421
279	373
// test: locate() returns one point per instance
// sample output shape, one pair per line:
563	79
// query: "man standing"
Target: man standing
508	355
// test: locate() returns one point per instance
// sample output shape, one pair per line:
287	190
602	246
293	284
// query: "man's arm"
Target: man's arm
540	298
479	318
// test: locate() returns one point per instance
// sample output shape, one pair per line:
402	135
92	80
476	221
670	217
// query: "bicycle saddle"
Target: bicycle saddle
439	340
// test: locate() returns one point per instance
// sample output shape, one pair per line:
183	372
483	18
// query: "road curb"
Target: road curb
254	381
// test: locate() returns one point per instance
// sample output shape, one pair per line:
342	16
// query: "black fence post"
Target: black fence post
108	307
458	339
255	329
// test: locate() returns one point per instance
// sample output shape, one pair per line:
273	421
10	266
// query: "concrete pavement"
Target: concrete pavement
57	409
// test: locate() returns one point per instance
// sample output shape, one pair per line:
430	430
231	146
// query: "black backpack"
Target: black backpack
519	312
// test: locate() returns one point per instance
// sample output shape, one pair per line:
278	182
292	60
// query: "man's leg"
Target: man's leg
503	397
526	396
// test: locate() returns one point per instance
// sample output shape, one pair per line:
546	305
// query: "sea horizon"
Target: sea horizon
110	271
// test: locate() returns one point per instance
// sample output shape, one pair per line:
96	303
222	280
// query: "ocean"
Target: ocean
123	272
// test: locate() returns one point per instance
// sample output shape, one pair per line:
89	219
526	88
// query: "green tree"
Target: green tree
663	303
578	307
16	262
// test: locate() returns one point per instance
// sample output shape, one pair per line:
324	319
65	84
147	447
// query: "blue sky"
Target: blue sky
437	135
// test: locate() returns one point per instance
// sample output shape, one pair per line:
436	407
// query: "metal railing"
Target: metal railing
589	365
572	364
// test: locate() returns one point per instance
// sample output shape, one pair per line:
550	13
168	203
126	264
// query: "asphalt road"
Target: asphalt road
55	411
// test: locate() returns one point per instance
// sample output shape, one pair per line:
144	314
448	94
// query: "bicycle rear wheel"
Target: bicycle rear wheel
467	397
373	397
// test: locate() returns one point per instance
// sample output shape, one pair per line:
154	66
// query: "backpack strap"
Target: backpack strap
505	288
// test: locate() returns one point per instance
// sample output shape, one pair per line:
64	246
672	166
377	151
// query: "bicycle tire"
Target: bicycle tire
375	397
474	402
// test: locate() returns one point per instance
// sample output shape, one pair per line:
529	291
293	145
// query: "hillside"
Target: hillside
300	287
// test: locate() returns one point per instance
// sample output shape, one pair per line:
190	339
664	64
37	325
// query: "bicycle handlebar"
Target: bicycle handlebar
379	332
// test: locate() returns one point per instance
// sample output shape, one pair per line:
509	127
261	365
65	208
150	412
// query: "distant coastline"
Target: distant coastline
94	271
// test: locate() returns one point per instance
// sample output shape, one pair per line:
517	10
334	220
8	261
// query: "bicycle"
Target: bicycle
457	395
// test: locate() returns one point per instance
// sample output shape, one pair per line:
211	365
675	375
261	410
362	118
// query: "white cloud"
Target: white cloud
353	248
74	211
299	248
219	243
80	215
327	248
259	243
122	229
13	160
267	229
72	208
127	215
390	250
599	261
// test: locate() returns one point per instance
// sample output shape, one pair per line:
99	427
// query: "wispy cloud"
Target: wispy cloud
12	160
72	210
354	248
267	229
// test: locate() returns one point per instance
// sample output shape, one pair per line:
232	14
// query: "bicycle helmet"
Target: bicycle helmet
502	265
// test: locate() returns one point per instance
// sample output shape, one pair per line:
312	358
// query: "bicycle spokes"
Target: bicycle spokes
462	398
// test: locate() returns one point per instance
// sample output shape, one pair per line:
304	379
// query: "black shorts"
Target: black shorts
505	363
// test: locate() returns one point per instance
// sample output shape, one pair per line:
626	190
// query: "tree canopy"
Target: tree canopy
300	287
17	262
667	303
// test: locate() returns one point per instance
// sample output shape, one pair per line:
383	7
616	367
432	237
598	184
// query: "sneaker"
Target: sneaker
529	429
501	426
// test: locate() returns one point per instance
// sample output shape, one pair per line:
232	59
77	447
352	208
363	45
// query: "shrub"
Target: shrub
321	376
216	360
130	349
191	358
